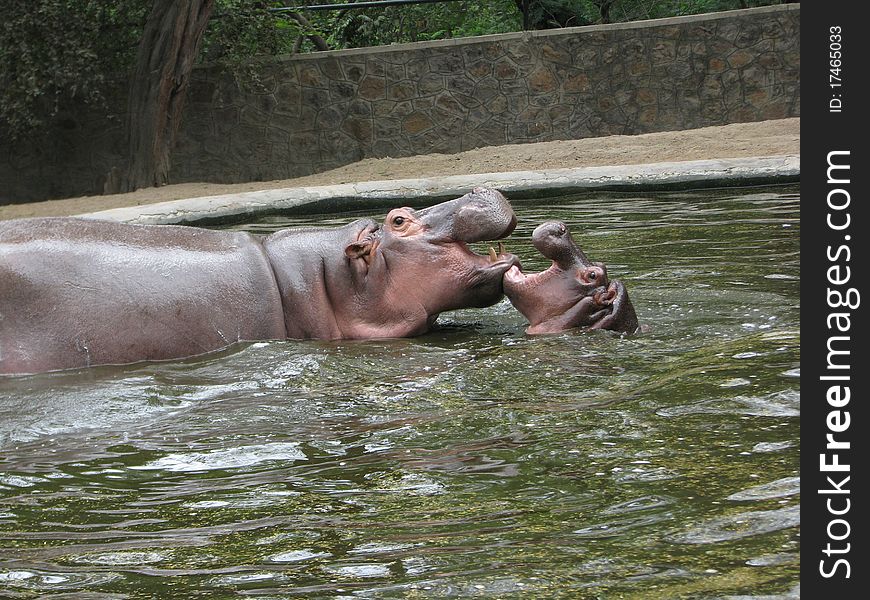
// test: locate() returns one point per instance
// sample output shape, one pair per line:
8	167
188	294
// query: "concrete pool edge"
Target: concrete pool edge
515	184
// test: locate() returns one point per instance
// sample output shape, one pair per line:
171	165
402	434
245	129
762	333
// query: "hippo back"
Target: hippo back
77	292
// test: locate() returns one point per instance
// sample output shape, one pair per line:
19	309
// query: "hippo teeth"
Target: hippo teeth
493	254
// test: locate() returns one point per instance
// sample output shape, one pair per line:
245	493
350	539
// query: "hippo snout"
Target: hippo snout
550	229
481	215
553	240
622	316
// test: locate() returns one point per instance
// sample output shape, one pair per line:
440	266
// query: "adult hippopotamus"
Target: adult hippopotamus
76	292
573	292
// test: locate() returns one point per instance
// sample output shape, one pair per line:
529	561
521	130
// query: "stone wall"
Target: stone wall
308	113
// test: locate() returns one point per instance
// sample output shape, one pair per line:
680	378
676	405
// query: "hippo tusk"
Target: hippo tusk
492	255
501	248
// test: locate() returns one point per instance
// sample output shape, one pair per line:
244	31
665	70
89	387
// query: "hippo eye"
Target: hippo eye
592	275
398	221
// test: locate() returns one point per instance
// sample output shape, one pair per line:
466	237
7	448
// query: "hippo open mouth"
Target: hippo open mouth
494	260
572	292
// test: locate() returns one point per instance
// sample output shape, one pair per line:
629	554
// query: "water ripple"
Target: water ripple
781	488
777	404
230	458
740	525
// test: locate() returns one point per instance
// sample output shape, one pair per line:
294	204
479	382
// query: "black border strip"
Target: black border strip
834	536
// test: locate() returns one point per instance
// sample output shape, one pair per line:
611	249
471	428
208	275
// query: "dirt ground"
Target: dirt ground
766	138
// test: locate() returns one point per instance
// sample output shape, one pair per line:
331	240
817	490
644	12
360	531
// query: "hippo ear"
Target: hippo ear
359	249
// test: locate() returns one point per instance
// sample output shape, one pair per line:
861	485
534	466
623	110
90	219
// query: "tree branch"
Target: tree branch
318	41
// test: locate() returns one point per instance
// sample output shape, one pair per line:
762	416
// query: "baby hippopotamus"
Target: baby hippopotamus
573	292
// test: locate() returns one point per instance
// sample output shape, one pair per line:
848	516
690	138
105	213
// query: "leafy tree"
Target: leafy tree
240	29
55	53
410	23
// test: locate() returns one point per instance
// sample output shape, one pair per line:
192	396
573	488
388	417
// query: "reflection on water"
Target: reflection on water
471	462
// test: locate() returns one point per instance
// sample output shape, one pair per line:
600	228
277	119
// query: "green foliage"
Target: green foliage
412	23
53	52
62	52
240	29
634	10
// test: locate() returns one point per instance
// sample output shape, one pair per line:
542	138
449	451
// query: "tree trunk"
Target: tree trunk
158	87
317	40
604	9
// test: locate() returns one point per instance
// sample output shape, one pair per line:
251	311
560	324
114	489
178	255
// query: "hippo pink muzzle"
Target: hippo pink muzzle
572	292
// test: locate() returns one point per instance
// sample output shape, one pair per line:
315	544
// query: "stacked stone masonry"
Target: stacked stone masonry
308	113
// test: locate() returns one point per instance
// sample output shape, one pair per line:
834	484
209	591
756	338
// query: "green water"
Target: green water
474	461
